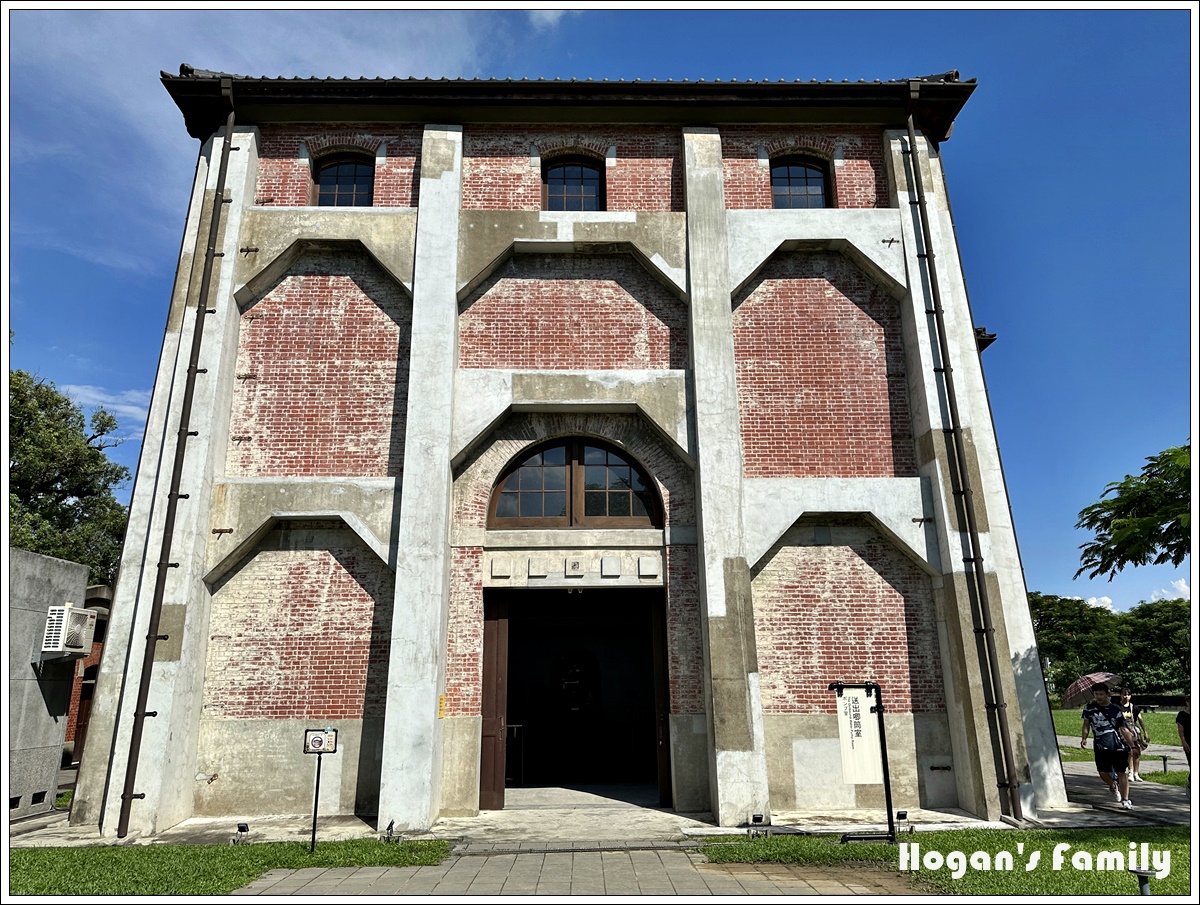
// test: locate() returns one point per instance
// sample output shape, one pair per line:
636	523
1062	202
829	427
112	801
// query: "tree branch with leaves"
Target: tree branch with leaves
1141	520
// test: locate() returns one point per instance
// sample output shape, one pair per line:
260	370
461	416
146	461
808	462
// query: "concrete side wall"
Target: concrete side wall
39	691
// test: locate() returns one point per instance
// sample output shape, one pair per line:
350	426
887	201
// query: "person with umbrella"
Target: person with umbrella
1113	742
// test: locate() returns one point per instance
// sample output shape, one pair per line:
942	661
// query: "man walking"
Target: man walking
1113	741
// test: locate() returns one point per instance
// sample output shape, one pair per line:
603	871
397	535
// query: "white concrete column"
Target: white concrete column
166	766
738	769
412	735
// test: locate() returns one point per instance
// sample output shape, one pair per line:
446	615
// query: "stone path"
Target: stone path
667	873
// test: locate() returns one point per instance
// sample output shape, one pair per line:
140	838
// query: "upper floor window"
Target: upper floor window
799	182
573	184
345	180
574	483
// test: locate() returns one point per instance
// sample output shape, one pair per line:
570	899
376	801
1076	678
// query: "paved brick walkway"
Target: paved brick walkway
668	873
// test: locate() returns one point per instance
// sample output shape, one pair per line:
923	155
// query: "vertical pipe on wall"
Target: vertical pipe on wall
173	496
988	630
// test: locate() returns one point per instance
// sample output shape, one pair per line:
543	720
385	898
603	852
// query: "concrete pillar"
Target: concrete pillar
409	790
738	769
973	730
166	767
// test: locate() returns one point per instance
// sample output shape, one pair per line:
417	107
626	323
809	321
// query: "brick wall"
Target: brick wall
285	176
464	654
572	312
854	610
860	178
322	373
300	629
92	659
497	175
820	373
685	651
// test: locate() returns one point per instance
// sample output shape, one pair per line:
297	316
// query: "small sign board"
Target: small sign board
858	729
320	741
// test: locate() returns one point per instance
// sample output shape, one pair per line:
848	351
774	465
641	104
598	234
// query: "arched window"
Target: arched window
574	483
345	180
573	184
799	182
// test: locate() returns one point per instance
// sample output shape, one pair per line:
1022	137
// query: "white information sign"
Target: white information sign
859	731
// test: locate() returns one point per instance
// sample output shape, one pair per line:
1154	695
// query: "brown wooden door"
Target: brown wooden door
494	705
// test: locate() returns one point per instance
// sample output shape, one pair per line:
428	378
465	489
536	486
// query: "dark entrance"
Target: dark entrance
575	691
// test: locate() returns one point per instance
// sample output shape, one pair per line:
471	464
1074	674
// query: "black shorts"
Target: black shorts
1111	761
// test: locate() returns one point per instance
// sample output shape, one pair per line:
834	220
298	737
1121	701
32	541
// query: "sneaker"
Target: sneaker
1127	804
1116	792
1137	777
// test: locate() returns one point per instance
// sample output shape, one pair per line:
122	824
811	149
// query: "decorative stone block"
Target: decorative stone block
501	568
610	567
575	568
647	567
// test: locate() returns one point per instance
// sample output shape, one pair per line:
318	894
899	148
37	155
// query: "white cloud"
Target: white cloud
1179	589
130	406
544	19
1101	603
84	90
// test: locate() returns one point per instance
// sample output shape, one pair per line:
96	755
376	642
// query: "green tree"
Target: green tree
1160	645
1075	638
61	481
1145	518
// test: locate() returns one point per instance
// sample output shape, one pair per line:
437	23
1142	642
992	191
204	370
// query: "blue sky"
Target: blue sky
1069	172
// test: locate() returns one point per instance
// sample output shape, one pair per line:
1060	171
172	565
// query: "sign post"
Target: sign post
319	742
859	740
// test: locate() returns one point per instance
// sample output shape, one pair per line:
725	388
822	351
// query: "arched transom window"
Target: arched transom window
574	483
799	182
573	184
345	180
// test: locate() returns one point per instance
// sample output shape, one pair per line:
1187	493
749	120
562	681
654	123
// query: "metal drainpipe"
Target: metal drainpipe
173	497
976	560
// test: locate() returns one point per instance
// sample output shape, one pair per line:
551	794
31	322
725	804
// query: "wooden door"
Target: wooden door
494	705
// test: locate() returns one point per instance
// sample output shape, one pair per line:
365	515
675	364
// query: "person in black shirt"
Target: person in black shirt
1112	744
1133	719
1183	725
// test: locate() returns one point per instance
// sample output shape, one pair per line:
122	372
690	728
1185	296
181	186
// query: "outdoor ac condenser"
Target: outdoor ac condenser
69	632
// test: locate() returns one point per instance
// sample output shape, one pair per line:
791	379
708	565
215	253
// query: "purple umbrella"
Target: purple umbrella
1081	689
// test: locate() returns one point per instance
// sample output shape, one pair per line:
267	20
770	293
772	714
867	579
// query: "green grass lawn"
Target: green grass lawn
1075	753
1161	725
1041	880
193	870
1173	778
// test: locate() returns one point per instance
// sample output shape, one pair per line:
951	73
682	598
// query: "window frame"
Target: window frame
582	160
575	486
812	162
338	158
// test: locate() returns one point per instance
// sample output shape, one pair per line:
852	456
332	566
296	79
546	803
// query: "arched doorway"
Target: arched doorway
575	692
575	689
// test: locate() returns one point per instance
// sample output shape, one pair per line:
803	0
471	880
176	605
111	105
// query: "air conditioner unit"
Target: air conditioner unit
69	632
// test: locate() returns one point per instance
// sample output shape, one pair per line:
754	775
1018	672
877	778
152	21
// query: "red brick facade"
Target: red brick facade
464	654
498	175
853	610
287	153
558	312
821	373
322	373
855	161
300	629
92	659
